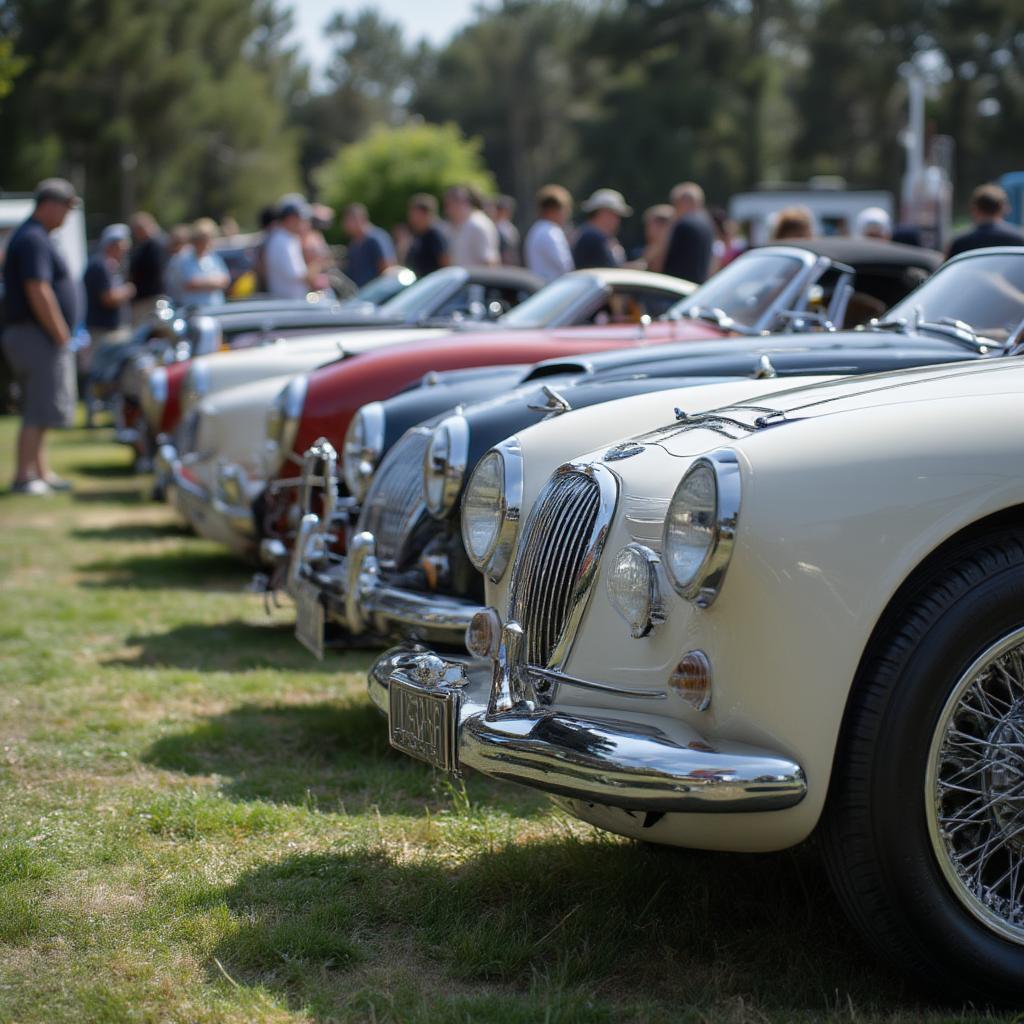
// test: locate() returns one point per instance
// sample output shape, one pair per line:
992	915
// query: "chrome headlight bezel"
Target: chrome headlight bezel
154	395
444	465
362	448
195	386
493	561
703	585
282	423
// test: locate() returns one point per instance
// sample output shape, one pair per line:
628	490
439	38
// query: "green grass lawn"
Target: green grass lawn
198	822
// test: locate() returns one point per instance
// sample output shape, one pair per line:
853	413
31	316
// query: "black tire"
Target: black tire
875	831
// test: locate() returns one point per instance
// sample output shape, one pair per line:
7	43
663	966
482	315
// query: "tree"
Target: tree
391	164
509	78
369	79
170	106
11	65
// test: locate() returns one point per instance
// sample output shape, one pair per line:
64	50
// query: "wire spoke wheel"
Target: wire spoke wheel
974	791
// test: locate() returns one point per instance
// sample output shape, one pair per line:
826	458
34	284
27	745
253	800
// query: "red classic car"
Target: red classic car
768	289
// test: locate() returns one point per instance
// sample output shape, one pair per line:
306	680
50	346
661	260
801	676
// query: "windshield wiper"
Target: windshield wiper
716	316
962	333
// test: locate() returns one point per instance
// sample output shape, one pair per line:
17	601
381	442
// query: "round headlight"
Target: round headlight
362	449
154	396
282	422
195	386
491	508
700	527
633	588
444	465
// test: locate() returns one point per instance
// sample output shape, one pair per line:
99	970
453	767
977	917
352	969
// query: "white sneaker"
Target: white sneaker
37	487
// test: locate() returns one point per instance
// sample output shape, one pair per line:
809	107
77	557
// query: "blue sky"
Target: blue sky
434	19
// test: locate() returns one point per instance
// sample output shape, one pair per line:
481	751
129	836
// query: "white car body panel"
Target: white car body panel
222	370
840	503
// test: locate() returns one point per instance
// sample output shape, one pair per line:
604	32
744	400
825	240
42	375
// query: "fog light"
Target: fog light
633	589
691	680
483	634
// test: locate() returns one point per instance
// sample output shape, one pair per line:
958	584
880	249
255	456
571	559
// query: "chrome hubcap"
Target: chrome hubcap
975	788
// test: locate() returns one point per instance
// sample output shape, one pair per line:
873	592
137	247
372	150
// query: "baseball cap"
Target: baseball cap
607	199
294	203
873	217
59	189
114	233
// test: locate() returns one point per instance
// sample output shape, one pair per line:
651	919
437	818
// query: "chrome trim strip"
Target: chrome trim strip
564	679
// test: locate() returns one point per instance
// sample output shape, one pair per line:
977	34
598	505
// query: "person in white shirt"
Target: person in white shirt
546	251
204	275
474	241
285	268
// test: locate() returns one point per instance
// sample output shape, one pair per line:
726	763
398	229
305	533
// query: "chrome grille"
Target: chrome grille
550	577
394	502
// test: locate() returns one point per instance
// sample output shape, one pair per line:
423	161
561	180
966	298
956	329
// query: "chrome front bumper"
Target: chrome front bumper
648	763
209	515
359	600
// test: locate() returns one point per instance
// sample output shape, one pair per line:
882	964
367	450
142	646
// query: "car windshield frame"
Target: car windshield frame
582	290
808	267
423	297
912	313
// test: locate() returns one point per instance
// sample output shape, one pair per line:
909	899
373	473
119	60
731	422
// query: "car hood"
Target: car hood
232	425
298	354
920	386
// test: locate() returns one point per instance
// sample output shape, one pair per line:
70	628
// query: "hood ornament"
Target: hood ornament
554	405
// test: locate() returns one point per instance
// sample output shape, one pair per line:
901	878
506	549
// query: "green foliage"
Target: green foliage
174	107
387	167
11	65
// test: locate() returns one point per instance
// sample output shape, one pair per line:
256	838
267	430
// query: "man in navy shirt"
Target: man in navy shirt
429	249
988	206
689	248
597	244
370	251
41	311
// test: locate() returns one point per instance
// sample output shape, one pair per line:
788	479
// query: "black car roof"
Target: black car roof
505	277
861	252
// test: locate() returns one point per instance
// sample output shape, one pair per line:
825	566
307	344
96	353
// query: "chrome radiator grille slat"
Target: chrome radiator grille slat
395	498
547	578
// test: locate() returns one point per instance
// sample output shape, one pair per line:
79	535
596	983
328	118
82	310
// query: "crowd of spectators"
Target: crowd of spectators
135	264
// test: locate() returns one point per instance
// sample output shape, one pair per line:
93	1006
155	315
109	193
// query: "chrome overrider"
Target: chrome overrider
368	604
353	589
503	729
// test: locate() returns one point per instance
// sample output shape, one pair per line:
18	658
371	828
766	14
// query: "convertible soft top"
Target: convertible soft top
870	252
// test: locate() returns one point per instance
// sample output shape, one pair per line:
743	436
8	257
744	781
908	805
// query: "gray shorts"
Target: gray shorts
45	374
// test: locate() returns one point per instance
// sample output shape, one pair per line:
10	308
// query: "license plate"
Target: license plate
309	618
422	723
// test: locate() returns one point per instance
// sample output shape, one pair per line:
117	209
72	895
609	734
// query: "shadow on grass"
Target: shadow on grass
199	570
137	494
236	646
107	470
334	754
132	531
593	929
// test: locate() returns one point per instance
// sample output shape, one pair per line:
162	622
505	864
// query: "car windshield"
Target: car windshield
552	304
744	290
984	291
421	299
384	287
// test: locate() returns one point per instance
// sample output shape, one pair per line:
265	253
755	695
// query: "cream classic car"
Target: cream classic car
799	612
